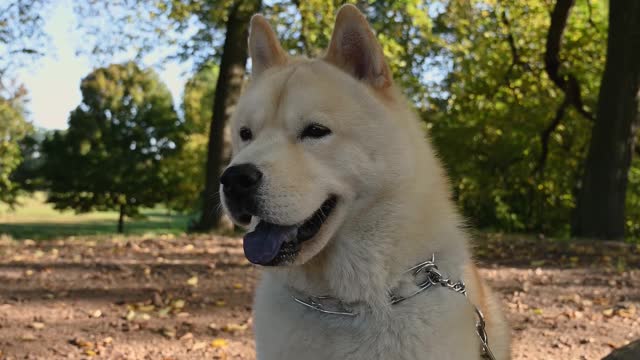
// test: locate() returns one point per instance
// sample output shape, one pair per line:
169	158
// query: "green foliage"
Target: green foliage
112	153
473	68
13	129
188	165
497	102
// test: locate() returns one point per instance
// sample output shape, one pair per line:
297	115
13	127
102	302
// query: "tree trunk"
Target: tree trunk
601	197
121	219
228	87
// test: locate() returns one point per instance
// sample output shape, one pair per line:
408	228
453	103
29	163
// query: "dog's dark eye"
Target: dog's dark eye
245	134
315	131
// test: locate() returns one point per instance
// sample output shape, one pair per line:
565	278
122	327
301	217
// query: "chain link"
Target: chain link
431	276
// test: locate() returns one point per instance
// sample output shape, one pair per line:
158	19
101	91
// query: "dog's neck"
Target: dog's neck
371	252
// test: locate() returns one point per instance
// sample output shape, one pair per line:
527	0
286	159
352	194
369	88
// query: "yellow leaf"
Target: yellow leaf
193	281
146	308
221	303
164	311
37	325
178	304
537	311
234	327
218	343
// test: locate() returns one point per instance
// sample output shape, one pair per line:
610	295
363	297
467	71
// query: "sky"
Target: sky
53	82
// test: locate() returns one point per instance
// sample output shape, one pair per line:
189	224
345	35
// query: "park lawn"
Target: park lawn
35	219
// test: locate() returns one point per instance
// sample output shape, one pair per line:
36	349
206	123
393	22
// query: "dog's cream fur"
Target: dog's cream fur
394	208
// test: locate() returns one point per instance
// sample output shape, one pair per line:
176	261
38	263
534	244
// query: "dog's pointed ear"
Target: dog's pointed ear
355	49
264	47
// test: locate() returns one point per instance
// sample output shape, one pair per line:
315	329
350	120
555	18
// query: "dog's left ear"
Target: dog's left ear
264	47
355	49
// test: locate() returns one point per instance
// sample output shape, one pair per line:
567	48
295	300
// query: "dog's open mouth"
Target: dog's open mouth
271	244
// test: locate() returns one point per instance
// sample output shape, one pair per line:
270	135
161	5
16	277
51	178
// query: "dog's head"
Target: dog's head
314	142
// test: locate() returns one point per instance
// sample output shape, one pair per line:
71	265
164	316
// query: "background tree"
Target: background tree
600	211
22	38
13	129
230	80
216	30
508	90
512	143
186	168
110	157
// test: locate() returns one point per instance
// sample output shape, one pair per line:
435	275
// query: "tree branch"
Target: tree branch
545	135
567	83
515	56
590	19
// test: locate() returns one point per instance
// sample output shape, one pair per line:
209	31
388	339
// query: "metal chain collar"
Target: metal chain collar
432	276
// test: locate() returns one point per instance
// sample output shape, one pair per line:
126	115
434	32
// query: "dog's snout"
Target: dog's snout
241	178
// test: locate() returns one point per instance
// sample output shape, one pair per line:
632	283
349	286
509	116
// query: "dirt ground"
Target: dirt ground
190	297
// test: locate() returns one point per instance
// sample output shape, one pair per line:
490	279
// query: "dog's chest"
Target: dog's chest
433	326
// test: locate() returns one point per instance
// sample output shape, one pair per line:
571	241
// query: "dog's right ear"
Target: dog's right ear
264	47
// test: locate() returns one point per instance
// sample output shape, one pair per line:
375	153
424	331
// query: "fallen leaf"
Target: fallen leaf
193	281
90	352
198	345
187	336
81	343
220	303
178	304
628	311
146	308
37	325
234	328
537	311
96	314
28	337
164	312
218	343
168	332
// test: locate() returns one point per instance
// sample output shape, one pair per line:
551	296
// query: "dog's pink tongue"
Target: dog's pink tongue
263	244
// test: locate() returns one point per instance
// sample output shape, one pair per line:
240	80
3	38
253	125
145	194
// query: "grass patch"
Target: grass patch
35	219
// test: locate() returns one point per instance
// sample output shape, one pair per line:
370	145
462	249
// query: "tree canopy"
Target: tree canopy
111	155
13	129
507	90
186	168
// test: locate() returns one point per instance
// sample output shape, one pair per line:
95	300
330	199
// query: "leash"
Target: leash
432	277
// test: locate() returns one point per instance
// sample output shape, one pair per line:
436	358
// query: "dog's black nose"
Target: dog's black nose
243	178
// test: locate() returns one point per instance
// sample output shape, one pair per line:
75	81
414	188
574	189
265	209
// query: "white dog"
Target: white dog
332	172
